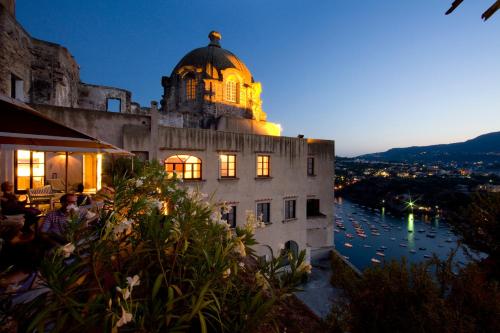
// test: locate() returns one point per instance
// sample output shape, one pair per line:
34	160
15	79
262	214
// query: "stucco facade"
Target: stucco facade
211	107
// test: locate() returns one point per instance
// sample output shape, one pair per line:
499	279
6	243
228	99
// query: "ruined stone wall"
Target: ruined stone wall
48	72
106	126
55	75
15	55
95	97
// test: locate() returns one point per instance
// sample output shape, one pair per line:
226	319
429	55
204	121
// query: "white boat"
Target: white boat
348	245
375	261
402	244
366	245
381	254
413	251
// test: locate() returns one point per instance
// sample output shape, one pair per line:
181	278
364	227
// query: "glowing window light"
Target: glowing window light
23	156
190	89
231	91
30	169
227	165
99	172
183	166
263	165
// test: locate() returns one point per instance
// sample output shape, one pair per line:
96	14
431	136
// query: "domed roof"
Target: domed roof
213	55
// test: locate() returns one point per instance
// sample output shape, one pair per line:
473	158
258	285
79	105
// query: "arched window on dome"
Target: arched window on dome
184	166
190	87
232	90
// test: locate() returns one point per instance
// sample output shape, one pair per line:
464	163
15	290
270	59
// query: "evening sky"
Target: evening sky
369	74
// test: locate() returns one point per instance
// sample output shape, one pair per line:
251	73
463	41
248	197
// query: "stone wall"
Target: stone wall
95	97
288	179
320	185
106	126
47	73
15	55
55	75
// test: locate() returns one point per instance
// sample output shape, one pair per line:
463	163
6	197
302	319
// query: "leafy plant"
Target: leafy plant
160	259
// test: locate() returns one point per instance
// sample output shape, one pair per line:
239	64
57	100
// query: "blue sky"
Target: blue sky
369	74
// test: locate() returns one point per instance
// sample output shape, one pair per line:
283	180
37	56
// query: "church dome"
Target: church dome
213	58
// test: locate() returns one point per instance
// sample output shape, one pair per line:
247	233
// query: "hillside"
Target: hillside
484	148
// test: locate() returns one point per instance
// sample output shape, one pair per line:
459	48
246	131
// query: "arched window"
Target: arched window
184	166
232	90
190	87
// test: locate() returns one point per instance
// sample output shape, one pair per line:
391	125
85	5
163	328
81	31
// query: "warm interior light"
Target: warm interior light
23	170
99	171
23	156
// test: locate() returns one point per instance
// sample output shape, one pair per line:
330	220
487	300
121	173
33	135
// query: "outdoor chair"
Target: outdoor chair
41	195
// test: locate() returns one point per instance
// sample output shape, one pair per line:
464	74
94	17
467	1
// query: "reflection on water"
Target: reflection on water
364	235
411	229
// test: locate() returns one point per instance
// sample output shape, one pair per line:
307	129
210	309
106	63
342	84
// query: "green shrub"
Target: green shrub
428	297
160	259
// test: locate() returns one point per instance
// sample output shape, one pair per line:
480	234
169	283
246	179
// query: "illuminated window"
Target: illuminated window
232	91
290	208
263	165
227	166
184	166
190	87
310	166
30	170
264	211
230	216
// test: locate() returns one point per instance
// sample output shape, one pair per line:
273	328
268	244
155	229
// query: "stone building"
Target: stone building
210	129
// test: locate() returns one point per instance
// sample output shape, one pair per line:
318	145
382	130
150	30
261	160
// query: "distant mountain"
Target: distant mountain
484	148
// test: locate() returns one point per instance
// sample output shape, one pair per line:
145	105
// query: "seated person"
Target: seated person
11	206
81	198
56	222
10	226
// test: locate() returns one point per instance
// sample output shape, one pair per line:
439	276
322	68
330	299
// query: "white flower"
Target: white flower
90	215
240	248
250	221
304	267
216	216
241	264
133	281
225	208
226	273
158	204
67	249
125	292
126	318
123	226
139	183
